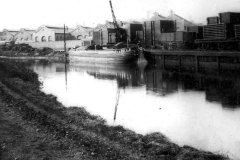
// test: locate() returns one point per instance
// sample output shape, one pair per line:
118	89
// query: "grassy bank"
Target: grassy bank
42	128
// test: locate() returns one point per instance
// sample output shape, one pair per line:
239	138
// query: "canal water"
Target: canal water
199	109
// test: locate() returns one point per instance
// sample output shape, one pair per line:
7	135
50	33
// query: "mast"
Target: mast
64	40
115	23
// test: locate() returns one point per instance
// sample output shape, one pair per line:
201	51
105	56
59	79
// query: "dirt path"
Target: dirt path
34	126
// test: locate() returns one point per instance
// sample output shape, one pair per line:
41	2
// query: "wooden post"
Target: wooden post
64	38
100	32
197	63
180	63
219	64
163	61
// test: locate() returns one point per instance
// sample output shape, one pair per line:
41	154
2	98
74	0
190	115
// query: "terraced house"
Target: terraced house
24	35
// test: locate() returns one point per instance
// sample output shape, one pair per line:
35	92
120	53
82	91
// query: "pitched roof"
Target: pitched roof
56	29
134	22
26	30
31	31
106	25
86	27
79	26
59	29
173	16
157	16
13	32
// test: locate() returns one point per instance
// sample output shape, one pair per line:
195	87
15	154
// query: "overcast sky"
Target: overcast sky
16	14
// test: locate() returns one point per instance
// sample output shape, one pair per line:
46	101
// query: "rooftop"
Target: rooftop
173	16
157	16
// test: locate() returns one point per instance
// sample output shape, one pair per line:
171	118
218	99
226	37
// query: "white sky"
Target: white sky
16	14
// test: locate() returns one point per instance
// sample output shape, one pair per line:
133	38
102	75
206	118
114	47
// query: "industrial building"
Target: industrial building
8	35
181	23
51	33
81	32
106	34
24	35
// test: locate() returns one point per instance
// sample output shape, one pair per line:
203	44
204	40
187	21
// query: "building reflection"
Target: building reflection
223	88
126	76
219	87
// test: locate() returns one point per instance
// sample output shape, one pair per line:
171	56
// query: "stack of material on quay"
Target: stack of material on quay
33	125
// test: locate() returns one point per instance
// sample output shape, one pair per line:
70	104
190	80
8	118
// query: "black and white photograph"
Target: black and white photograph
120	80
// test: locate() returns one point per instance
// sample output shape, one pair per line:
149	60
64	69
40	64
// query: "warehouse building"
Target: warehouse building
8	35
104	34
181	23
24	35
157	16
81	32
51	33
134	31
154	30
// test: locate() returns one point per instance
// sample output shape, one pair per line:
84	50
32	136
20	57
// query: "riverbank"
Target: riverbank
56	55
36	126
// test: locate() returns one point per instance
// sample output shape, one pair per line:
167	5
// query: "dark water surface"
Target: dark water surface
200	109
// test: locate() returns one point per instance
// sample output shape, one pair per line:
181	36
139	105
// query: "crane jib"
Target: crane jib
115	22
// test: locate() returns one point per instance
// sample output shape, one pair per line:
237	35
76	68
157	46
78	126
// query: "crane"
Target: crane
115	24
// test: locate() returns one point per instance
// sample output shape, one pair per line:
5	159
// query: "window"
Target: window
49	38
22	39
57	39
79	37
44	39
186	28
36	39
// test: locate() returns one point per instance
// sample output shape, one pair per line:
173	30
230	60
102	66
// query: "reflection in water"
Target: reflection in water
117	100
223	89
66	74
200	109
